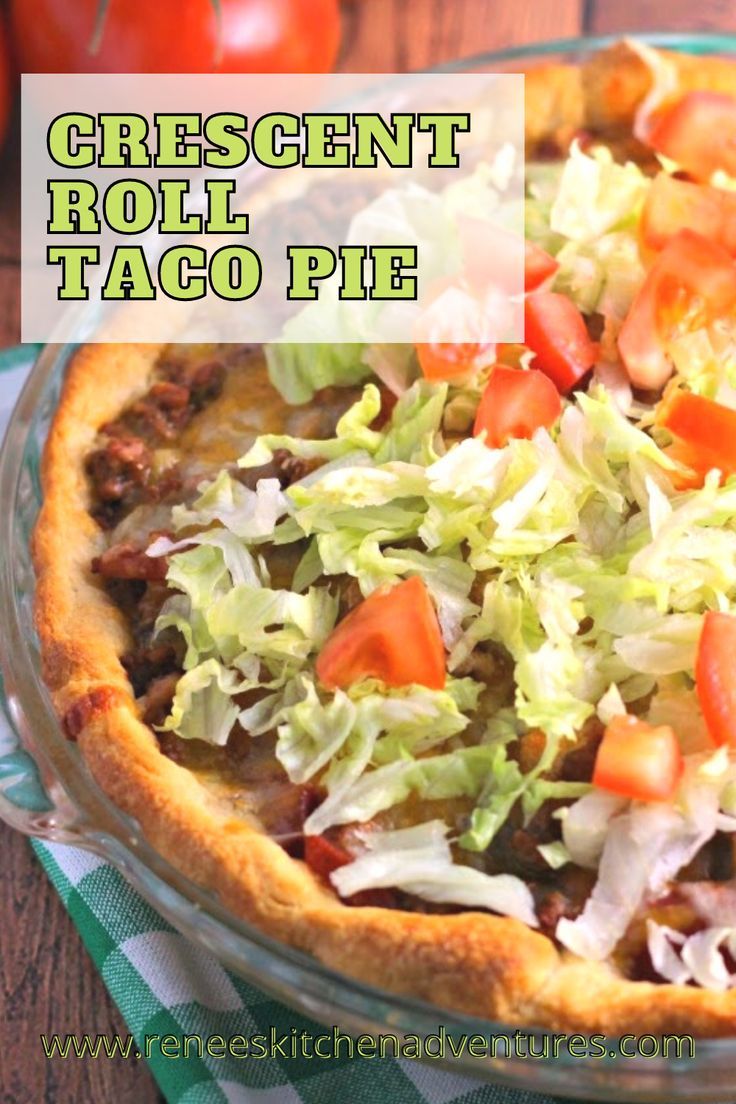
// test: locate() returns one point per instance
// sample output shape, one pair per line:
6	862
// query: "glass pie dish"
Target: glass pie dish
46	790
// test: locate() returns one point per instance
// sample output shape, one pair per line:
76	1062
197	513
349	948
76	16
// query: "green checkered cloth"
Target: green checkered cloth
165	985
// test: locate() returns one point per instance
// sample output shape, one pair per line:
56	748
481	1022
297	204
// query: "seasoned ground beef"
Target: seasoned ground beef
121	469
129	561
290	469
515	847
567	899
204	381
146	664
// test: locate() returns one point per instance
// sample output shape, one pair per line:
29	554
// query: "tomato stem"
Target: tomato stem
99	27
217	6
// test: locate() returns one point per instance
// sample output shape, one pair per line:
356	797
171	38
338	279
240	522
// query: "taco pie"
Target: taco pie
422	659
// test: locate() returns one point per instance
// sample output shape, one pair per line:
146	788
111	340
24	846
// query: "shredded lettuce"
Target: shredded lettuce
410	435
203	707
410	720
299	368
505	785
352	433
178	613
555	854
457	773
594	214
313	732
246	513
596	195
682	959
586	823
191	571
644	847
278	626
542	183
419	861
602	275
370	725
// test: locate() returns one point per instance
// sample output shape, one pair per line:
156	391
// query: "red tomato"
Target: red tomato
176	36
698	133
393	636
637	760
322	856
692	459
514	404
692	283
555	331
451	305
706	428
714	676
538	266
673	205
444	360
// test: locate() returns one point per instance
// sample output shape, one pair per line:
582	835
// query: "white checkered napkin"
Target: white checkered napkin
165	985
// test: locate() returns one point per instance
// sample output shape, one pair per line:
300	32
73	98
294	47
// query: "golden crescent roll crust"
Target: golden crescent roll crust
616	80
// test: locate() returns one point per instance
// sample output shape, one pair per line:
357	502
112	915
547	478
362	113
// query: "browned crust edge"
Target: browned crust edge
470	962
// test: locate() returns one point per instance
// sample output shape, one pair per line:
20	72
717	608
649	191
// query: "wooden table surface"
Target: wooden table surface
47	981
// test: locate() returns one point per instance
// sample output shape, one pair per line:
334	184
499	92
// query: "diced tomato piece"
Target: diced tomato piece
706	428
555	331
538	266
478	302
322	856
714	676
638	760
673	205
699	421
698	133
393	635
692	283
691	459
514	404
445	361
